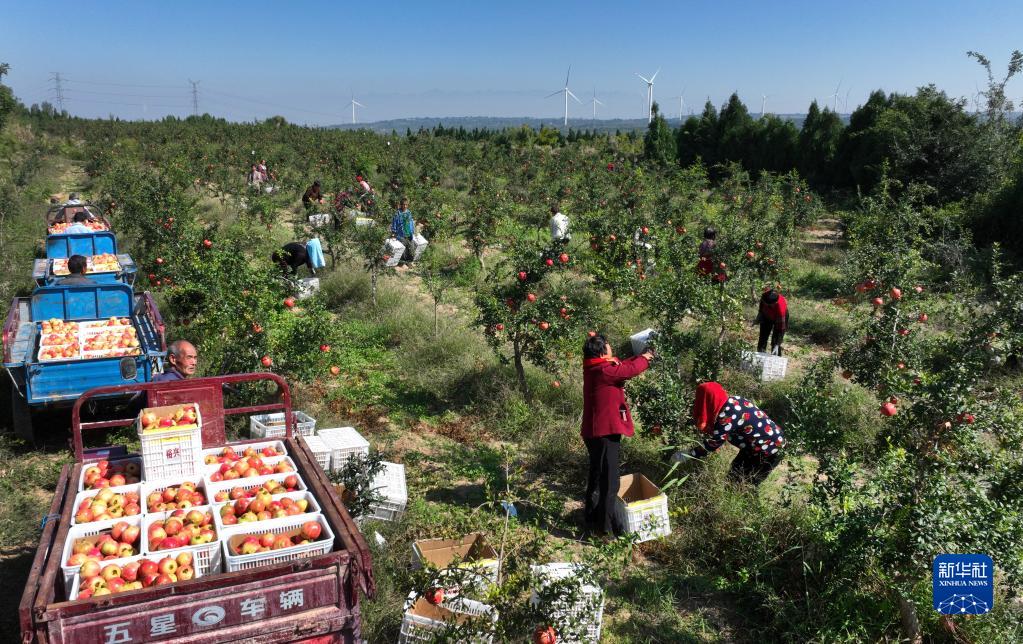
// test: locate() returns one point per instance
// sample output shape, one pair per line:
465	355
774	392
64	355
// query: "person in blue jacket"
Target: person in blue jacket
403	226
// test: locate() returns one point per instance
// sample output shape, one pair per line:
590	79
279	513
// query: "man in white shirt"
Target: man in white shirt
73	200
559	226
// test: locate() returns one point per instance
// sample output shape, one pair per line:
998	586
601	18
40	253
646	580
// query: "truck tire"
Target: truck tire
21	417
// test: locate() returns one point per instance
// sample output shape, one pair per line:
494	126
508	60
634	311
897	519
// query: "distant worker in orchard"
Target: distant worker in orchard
706	264
73	200
182	359
559	226
76	265
403	225
78	226
292	256
736	420
773	318
606	418
313	196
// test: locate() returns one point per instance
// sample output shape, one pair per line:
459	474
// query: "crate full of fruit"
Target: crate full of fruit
171	439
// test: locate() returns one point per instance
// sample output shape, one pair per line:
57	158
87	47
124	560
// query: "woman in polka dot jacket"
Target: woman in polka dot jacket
724	417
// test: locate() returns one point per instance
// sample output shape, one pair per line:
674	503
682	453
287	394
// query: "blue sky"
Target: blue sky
405	59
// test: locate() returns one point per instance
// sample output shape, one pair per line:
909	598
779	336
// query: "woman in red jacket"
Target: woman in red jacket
606	418
773	318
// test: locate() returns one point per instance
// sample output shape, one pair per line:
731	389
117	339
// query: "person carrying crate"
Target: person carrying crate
606	418
728	418
773	318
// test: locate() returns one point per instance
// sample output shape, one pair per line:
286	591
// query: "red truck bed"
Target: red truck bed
315	597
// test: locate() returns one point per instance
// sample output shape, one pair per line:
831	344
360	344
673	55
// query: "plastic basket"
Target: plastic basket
767	366
76	581
418	245
113	462
207	555
272	425
123	489
575	621
241	447
308	287
90	530
276	526
647	515
320	450
392	251
269	461
423	621
250	483
313	508
344	443
172	453
159	486
390	484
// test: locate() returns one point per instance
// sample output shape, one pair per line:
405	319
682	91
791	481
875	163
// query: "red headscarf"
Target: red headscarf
710	398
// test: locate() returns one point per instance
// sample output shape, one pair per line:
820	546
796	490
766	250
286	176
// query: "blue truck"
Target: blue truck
48	271
43	381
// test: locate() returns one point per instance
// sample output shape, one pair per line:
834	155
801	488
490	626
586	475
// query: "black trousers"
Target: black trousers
753	467
766	330
602	483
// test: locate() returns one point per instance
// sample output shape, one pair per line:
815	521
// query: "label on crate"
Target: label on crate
201	613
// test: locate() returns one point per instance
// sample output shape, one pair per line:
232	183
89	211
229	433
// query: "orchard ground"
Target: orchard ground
439	401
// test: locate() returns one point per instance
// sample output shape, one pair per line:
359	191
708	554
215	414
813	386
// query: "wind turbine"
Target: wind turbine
354	103
835	96
650	94
845	104
595	103
763	103
681	104
567	92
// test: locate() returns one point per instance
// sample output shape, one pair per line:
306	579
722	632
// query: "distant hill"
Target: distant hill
501	123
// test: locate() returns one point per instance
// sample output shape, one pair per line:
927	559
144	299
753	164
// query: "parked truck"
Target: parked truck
309	599
68	318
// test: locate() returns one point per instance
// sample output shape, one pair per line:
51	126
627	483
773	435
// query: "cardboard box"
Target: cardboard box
642	507
472	551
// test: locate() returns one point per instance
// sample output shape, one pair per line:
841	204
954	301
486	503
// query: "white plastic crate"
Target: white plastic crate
250	483
319	219
76	582
272	425
393	251
90	530
205	553
88	494
308	287
423	621
767	366
240	448
276	526
320	450
173	453
312	508
641	340
578	621
642	507
159	486
472	551
344	443
390	484
269	461
86	466
418	245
